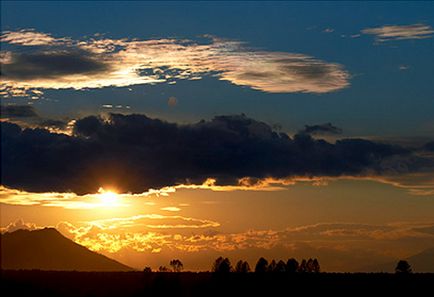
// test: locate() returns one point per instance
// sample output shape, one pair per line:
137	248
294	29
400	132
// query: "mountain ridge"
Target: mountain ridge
48	249
421	262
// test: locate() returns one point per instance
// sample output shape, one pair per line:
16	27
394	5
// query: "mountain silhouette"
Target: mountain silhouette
47	249
421	262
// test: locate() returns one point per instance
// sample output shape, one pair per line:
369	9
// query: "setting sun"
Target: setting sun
107	198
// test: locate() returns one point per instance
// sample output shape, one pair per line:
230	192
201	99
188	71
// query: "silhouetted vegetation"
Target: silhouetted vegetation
271	278
176	265
261	265
242	267
128	284
221	265
147	269
292	265
403	267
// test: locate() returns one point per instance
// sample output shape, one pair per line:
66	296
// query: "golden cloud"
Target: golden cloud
400	32
98	63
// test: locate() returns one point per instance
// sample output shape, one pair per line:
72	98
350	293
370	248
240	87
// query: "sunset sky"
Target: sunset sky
151	131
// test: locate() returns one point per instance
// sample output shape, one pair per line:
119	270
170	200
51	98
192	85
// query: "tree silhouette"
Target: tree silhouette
292	265
303	266
272	266
309	265
261	265
315	266
147	269
403	267
280	267
176	265
242	267
163	269
221	265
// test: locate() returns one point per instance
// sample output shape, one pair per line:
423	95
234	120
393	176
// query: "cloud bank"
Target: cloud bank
38	61
321	129
134	153
400	32
17	111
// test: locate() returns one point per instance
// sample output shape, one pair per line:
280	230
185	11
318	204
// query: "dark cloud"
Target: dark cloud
430	146
321	129
50	123
135	153
50	64
17	111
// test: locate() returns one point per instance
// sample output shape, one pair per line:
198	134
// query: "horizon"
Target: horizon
152	131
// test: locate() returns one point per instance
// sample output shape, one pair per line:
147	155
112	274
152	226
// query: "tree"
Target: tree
272	266
292	265
242	267
147	269
315	266
303	266
403	267
176	265
222	265
261	265
163	269
280	267
309	265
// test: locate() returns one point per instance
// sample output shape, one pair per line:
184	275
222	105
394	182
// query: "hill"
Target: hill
47	249
421	262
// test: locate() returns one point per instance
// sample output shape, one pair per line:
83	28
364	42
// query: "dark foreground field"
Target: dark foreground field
50	283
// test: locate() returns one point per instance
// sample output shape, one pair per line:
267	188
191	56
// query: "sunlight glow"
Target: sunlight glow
107	198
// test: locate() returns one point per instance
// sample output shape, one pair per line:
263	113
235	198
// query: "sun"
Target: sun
108	198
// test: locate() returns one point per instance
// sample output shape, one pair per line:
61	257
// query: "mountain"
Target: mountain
47	249
421	262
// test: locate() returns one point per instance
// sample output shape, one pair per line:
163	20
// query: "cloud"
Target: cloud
171	208
17	225
148	232
51	65
53	124
65	200
114	235
400	32
322	129
27	116
28	37
62	63
328	30
134	153
17	111
430	146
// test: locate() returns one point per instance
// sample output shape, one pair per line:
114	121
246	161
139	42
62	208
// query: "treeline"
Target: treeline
224	265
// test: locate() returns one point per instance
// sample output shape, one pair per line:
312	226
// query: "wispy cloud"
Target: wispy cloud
60	63
171	208
62	200
400	32
114	235
29	37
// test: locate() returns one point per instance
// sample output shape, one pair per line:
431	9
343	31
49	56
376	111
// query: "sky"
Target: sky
148	131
